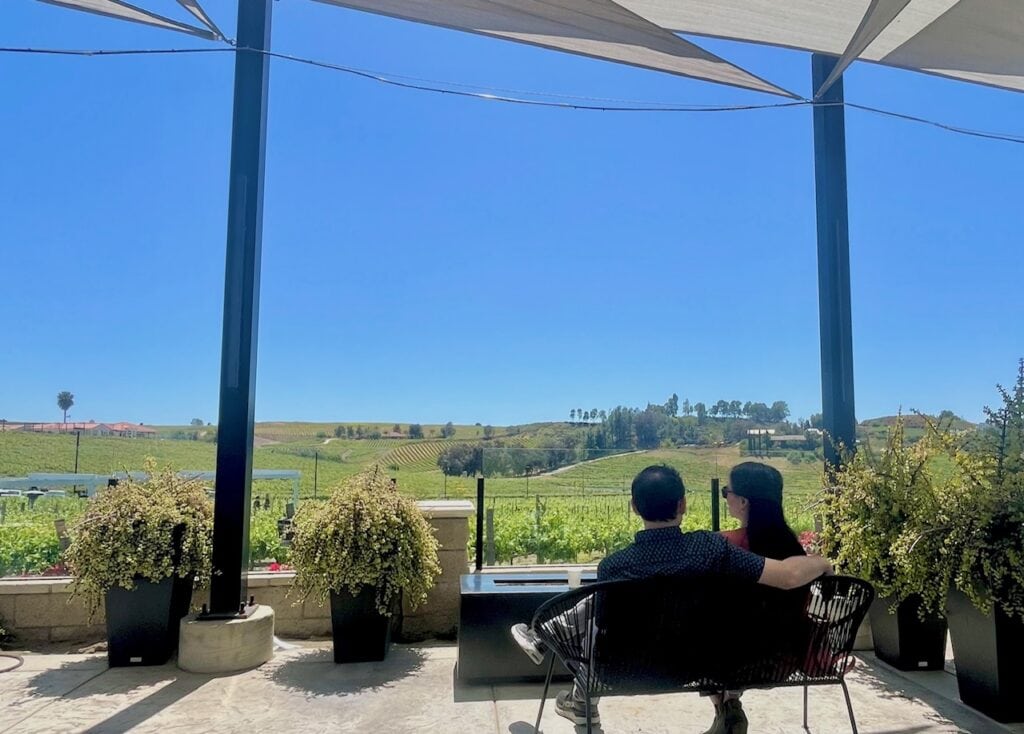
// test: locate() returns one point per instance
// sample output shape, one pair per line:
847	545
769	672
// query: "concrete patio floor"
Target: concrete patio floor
414	691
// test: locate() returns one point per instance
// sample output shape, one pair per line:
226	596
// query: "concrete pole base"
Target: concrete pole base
226	645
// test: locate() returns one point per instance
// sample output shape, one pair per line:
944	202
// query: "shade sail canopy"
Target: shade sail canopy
124	11
599	28
979	41
974	40
196	9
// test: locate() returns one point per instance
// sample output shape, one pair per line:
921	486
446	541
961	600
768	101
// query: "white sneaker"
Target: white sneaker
527	639
575	711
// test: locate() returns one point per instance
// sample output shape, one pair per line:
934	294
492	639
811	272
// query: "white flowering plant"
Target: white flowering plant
365	534
151	530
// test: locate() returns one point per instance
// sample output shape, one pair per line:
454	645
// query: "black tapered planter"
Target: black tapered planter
903	639
142	623
360	633
988	650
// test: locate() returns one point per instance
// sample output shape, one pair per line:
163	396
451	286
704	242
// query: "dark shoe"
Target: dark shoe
527	639
733	717
576	711
718	725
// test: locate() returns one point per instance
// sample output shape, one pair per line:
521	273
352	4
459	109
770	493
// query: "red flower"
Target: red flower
810	541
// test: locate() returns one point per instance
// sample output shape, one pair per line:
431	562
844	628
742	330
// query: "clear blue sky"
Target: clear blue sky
429	258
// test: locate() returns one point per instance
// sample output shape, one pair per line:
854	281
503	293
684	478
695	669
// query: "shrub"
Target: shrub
365	534
872	519
128	532
979	529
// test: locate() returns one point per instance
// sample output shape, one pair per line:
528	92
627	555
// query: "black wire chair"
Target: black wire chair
706	634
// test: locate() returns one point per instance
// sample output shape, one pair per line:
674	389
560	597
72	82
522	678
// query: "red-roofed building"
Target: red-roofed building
88	428
132	430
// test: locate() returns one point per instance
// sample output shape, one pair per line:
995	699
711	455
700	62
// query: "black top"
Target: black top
671	552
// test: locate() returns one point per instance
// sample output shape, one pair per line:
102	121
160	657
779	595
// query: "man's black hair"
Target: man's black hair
656	493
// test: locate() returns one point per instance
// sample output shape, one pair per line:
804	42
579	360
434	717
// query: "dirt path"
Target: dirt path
562	469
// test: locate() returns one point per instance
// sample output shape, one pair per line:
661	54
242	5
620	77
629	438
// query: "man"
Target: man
662	549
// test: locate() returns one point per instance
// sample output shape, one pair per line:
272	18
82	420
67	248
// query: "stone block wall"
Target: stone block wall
43	610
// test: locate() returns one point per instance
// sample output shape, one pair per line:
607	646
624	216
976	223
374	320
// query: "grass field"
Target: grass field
577	512
412	463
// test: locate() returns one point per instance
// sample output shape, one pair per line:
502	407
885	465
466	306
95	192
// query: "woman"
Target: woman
754	497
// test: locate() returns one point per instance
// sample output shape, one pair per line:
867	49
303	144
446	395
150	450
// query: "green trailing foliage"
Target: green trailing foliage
129	531
945	512
873	514
365	534
979	531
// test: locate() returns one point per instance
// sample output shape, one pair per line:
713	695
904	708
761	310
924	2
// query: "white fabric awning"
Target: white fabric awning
979	41
974	40
598	28
196	9
124	11
877	18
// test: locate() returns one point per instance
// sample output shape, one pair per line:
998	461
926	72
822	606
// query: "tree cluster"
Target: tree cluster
728	421
496	459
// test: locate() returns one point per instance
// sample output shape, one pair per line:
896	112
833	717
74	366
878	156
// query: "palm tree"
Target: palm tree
64	401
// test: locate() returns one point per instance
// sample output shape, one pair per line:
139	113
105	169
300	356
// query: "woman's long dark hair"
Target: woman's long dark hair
768	533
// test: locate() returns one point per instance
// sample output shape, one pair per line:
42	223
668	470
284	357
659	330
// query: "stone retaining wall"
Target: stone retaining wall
43	610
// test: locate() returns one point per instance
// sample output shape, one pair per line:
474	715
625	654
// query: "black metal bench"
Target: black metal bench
711	635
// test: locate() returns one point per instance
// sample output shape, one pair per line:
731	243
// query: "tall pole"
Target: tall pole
480	512
241	308
716	523
834	312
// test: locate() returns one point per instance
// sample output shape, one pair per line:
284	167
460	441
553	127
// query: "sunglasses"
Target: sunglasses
726	492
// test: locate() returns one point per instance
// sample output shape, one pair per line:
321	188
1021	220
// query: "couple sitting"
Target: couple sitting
763	550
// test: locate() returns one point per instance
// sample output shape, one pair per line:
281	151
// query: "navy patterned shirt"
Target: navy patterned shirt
671	552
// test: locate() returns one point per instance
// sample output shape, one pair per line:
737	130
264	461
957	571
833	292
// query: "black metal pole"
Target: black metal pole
479	521
241	309
78	441
716	522
834	310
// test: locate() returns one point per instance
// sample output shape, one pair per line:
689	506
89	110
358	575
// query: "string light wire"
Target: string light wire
521	97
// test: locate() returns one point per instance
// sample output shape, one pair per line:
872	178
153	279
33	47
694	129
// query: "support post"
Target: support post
834	311
716	522
479	521
489	551
241	308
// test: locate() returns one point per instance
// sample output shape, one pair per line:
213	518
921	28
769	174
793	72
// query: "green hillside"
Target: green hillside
412	463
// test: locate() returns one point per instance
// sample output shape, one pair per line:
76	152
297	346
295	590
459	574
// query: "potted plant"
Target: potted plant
870	523
369	549
981	526
140	547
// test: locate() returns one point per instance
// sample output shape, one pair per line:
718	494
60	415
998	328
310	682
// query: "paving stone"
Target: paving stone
414	691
